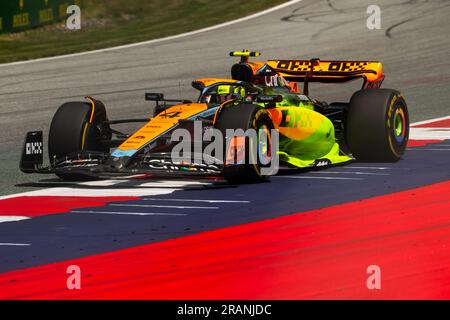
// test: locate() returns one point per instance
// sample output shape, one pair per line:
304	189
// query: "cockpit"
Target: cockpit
221	92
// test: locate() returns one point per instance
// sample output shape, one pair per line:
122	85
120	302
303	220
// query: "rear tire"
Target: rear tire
247	116
72	132
377	126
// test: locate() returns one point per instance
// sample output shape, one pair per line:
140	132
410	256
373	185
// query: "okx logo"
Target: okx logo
236	147
33	148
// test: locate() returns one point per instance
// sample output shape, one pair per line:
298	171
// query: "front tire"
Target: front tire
377	127
247	116
74	129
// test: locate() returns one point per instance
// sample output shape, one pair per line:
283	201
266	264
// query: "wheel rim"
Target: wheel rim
264	142
399	125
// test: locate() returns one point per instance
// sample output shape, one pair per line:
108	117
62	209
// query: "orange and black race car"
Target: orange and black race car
290	127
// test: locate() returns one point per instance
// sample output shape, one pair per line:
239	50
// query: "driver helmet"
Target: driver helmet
229	92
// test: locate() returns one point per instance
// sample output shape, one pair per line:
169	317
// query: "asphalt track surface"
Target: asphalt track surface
395	215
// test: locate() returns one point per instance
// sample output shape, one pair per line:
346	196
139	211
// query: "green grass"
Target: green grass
107	23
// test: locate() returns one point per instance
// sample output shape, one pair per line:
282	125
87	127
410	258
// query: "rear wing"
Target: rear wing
315	70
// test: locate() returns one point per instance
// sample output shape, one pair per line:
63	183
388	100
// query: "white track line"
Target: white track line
160	206
12	218
101	183
176	184
198	200
427	149
351	172
367	168
429	134
107	192
312	177
132	213
429	121
178	36
15	244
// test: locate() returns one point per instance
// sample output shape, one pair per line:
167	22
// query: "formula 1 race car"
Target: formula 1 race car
265	96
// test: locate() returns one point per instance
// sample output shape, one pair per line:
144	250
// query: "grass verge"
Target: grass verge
107	23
